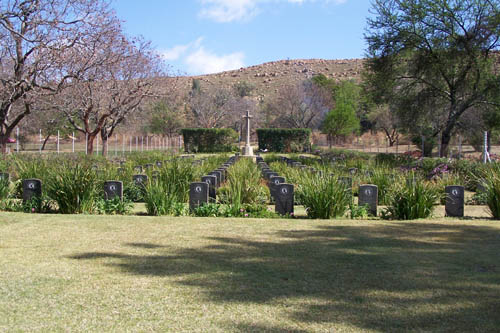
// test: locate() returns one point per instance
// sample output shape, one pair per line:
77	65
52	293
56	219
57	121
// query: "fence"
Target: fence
117	144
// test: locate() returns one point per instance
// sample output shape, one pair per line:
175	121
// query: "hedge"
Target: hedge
284	140
209	140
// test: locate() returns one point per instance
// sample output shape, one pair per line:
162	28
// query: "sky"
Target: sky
209	36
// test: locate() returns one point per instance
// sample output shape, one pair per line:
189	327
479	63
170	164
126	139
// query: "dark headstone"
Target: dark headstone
212	185
368	195
271	174
274	182
120	170
284	199
218	174
31	188
113	188
138	169
347	181
454	204
223	173
198	195
159	164
353	171
140	180
148	166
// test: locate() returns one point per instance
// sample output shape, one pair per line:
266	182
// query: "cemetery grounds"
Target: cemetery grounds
87	272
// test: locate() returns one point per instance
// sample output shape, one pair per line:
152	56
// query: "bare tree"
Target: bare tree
386	120
300	106
36	37
101	97
210	107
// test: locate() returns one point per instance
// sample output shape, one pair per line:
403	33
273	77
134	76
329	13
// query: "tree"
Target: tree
100	98
303	105
166	120
434	58
36	38
342	120
210	106
387	121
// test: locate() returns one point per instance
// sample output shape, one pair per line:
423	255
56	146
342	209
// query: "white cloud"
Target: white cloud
224	11
202	61
228	10
177	51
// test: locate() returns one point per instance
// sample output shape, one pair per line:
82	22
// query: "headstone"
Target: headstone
113	188
140	180
273	184
454	204
120	170
353	171
148	166
31	188
218	174
138	169
159	164
368	195
284	199
198	195
481	186
94	167
212	185
347	181
122	163
223	173
271	174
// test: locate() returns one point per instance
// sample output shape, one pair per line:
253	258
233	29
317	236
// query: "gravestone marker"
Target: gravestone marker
223	173
218	174
138	169
140	180
120	170
32	188
148	166
159	164
113	188
353	171
368	195
284	199
347	181
273	184
212	184
198	195
454	204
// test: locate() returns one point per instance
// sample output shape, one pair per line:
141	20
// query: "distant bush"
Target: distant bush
284	140
209	140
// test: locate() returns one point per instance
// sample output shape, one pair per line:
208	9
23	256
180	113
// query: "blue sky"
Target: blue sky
209	36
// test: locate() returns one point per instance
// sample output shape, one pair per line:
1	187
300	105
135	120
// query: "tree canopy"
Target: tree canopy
434	60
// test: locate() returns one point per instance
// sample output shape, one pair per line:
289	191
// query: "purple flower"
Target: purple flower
242	210
246	215
33	210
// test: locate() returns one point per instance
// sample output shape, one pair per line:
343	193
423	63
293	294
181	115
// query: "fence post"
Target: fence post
73	142
17	139
86	143
58	142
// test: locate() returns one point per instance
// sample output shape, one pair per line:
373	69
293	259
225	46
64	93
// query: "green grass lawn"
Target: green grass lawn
134	273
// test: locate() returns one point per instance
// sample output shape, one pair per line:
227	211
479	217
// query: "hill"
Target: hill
269	77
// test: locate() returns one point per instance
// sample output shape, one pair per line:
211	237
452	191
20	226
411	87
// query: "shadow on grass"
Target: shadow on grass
402	276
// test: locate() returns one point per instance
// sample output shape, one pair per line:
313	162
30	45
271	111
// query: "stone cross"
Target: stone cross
248	151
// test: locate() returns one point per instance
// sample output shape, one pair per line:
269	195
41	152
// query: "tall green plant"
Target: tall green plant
323	197
411	200
74	188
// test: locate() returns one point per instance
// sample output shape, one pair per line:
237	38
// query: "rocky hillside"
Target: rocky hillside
269	77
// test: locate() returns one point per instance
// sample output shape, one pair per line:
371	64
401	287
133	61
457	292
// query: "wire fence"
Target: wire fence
115	145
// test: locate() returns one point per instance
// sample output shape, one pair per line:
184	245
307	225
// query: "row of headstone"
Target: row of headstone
281	192
205	191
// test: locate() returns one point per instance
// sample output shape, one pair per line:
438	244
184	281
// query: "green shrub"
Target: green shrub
209	140
114	206
493	194
73	188
323	198
159	199
284	140
411	200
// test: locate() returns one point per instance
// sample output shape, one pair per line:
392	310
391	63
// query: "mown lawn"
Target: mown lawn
110	273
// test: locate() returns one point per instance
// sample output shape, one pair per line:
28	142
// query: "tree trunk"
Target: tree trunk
45	141
90	143
104	146
3	143
445	142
